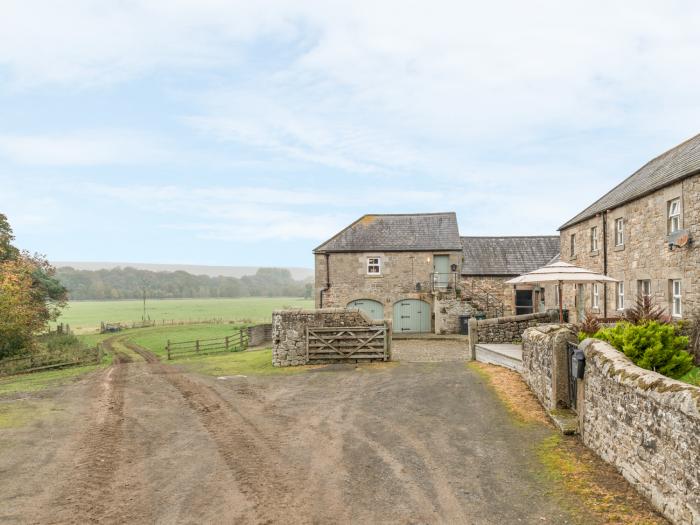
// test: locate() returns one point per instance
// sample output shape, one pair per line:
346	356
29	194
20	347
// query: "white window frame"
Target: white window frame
376	264
640	287
595	296
594	239
620	296
676	298
619	232
674	215
556	295
572	244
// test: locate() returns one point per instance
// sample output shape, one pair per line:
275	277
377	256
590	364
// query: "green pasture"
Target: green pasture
155	339
85	315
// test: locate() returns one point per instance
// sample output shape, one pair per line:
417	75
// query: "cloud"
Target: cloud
82	149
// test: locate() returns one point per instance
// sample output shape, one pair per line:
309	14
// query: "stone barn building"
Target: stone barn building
643	232
415	271
490	261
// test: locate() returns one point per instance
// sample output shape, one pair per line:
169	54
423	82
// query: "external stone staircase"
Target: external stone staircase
483	301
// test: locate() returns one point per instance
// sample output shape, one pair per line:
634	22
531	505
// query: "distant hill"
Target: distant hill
298	274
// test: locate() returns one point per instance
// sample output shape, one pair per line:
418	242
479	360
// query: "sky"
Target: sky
246	133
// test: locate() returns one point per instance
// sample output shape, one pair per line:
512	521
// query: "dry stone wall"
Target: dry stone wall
508	329
259	334
289	330
544	363
645	424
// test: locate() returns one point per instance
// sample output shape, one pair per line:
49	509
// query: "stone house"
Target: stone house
642	232
409	270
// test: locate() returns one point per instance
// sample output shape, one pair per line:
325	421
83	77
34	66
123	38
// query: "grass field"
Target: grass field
85	315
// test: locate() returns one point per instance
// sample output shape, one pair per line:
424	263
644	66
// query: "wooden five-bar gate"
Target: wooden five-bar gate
347	343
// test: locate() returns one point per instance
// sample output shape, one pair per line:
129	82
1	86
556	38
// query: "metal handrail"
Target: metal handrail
437	283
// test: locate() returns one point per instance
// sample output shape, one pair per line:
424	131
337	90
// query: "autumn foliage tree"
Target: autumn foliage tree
30	296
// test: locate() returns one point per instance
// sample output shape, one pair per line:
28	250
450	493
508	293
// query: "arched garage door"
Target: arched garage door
411	315
374	309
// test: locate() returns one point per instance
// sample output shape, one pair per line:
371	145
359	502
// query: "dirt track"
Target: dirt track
144	442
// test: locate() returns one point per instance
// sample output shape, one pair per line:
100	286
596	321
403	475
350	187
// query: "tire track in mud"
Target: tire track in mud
247	452
86	498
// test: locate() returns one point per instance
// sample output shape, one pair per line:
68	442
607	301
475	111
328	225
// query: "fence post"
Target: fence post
167	348
240	335
226	342
196	347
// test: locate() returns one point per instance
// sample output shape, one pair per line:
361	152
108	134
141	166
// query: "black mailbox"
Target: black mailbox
578	363
464	324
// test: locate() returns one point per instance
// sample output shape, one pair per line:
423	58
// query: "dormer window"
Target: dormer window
674	215
374	266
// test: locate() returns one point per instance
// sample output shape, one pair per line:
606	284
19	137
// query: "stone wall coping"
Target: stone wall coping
668	392
327	311
547	329
513	318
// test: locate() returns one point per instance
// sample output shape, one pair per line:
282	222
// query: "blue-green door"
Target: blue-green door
441	270
411	315
374	309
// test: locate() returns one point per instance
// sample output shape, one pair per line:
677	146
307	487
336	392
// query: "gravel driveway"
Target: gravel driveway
145	442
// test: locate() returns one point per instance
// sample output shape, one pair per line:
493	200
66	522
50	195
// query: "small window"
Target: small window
374	265
620	296
676	297
674	215
644	288
573	244
619	232
556	295
594	239
596	296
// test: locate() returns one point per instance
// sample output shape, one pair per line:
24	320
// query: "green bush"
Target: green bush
653	346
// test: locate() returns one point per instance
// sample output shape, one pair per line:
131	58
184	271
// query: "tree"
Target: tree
30	295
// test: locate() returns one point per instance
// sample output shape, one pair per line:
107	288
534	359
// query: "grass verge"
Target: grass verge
596	492
22	412
593	490
513	392
254	362
33	382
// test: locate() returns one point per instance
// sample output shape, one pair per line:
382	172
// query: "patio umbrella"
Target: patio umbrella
561	272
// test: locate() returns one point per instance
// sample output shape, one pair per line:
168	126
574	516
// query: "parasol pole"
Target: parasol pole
561	310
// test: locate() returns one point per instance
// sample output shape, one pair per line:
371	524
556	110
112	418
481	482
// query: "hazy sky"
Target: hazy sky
245	133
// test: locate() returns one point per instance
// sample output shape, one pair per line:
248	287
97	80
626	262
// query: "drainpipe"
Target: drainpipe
605	262
328	279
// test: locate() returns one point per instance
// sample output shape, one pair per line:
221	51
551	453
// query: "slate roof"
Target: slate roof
672	166
507	255
400	232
